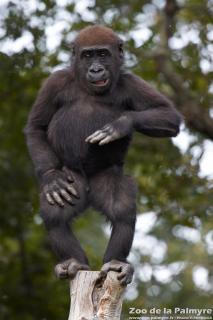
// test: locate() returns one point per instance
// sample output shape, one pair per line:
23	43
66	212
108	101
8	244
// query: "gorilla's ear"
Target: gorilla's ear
120	48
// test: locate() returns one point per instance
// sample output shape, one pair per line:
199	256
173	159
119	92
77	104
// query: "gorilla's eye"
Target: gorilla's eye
103	53
87	54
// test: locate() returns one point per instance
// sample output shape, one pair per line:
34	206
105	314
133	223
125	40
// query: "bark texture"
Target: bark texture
90	302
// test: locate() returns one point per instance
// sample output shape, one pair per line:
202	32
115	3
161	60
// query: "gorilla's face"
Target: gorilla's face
98	67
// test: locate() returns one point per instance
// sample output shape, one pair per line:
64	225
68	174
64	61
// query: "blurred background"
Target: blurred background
168	43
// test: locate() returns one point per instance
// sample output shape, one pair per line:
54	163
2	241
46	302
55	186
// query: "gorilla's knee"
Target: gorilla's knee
53	215
124	211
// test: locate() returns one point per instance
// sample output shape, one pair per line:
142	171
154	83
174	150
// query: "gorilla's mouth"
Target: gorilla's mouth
101	83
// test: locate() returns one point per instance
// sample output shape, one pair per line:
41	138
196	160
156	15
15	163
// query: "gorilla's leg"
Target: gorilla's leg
67	248
115	195
62	240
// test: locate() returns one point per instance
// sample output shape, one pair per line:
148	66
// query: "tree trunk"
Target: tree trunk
90	302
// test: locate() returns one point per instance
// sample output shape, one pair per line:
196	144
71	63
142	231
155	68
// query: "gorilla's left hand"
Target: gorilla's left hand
112	131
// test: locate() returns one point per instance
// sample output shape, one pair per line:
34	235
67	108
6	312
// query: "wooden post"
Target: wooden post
90	302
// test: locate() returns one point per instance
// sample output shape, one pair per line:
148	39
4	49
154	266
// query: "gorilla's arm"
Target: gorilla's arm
152	114
45	106
56	182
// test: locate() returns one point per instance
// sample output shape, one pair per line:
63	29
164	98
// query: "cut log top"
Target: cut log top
92	302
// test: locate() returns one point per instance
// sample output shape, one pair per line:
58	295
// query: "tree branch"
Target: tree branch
195	116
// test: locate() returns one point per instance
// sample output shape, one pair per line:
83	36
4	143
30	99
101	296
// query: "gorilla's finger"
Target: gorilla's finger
84	267
72	270
110	137
69	188
126	278
106	140
111	266
101	277
115	267
121	275
66	196
68	173
93	135
107	127
99	137
125	281
60	271
70	178
57	199
49	198
129	279
73	191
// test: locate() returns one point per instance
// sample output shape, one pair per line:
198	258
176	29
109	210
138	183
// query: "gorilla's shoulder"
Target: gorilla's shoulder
59	79
62	75
128	78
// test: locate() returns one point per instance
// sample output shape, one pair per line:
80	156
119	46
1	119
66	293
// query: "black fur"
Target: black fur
66	112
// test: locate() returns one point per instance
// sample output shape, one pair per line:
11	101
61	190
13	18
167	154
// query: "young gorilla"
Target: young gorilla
78	133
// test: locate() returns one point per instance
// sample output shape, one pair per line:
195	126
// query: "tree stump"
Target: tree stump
90	302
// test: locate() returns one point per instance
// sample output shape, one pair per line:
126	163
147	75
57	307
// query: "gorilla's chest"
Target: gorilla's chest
73	123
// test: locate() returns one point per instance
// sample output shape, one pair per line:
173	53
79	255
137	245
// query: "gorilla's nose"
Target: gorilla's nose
96	70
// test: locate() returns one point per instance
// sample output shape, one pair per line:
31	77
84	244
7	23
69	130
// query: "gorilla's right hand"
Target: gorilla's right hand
57	186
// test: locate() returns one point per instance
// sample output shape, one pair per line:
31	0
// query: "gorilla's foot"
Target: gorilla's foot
124	269
69	268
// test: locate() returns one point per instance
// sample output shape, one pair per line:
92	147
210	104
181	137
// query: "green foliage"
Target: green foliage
169	181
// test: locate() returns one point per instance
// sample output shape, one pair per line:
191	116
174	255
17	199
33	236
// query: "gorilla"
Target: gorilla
78	134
